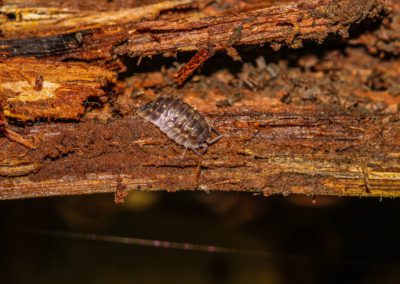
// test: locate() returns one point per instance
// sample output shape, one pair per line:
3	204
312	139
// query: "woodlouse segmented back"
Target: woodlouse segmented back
180	122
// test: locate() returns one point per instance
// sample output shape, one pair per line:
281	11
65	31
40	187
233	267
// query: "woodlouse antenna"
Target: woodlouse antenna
212	141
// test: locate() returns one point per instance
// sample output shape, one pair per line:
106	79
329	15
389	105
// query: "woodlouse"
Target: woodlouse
180	122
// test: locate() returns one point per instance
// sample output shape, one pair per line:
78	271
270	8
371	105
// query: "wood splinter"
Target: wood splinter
11	135
194	63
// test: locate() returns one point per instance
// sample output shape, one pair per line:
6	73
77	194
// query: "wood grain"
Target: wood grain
320	120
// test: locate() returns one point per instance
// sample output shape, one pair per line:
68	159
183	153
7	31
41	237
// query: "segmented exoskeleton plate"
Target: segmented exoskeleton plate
180	122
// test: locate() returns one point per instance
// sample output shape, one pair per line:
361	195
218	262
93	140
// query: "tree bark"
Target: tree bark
317	121
270	152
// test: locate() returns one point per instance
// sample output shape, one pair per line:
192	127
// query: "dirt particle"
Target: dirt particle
121	192
38	83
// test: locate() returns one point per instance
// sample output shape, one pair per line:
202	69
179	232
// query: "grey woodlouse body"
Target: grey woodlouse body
180	122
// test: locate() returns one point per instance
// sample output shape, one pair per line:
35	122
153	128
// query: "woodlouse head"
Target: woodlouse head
145	107
202	138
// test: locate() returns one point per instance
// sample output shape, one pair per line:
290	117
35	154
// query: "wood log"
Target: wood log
264	152
317	121
92	34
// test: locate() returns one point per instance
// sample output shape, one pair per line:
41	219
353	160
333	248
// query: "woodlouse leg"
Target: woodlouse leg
183	155
202	151
198	174
186	146
212	141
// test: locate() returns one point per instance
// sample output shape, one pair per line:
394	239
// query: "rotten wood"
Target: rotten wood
325	153
385	40
98	35
347	144
11	135
194	63
53	31
52	90
43	30
289	24
323	123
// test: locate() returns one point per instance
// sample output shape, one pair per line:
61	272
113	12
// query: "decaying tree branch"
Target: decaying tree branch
269	152
81	34
68	33
287	24
325	123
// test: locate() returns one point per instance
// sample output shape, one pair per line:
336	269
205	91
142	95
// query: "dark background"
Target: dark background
328	240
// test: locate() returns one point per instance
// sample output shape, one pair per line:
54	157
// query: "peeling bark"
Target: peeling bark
131	32
313	121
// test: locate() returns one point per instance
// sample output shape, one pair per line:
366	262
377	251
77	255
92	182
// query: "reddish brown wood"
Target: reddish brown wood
194	63
323	120
11	135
